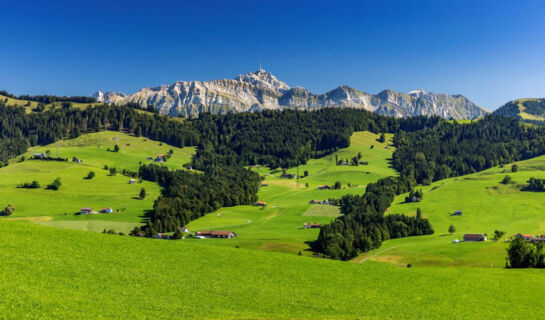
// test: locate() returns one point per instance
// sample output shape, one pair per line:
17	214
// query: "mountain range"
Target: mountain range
261	90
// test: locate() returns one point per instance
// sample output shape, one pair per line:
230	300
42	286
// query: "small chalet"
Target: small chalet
77	160
525	236
160	158
458	212
327	187
184	229
106	210
260	203
116	139
215	234
474	237
40	155
288	176
86	211
307	225
315	202
161	236
132	181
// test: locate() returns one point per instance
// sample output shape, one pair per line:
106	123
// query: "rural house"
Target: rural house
132	181
307	225
474	237
326	187
288	176
106	210
77	160
40	155
525	236
315	201
260	203
86	211
215	234
160	158
458	212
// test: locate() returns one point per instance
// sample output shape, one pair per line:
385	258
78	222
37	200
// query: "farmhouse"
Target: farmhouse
76	160
474	237
307	225
326	187
106	210
215	234
458	212
184	229
323	202
525	236
162	236
288	176
260	203
40	155
160	158
132	181
86	211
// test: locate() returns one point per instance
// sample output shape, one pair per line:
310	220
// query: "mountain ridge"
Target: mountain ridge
261	90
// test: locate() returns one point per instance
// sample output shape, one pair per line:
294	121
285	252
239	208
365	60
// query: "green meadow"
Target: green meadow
486	205
58	208
72	274
279	226
62	273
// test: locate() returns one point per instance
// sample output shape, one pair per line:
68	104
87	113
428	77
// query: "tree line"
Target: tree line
363	225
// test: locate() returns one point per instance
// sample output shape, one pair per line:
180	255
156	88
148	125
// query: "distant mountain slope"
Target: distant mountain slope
261	90
524	109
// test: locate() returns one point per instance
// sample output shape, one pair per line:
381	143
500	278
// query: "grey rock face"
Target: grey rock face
261	90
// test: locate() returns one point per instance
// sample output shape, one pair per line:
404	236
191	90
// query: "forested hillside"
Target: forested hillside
427	149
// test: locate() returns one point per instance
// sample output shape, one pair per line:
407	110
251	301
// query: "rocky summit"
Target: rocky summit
261	90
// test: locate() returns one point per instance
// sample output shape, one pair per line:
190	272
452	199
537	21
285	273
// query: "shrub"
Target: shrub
90	175
55	185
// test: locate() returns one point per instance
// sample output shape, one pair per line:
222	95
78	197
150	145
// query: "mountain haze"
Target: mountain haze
261	90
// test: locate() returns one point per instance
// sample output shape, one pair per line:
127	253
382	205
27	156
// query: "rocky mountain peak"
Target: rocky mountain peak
263	78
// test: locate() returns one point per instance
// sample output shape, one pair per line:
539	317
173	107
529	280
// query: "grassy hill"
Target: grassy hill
487	205
279	226
71	274
57	208
525	109
60	273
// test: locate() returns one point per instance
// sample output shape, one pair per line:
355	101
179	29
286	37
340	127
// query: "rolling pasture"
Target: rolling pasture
57	208
279	226
486	205
72	274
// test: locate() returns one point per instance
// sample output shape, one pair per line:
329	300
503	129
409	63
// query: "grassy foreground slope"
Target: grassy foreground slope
57	208
279	226
487	205
71	274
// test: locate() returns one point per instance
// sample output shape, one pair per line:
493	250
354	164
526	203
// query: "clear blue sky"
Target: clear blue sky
490	51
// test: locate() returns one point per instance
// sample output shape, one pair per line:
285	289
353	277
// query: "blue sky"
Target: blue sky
489	51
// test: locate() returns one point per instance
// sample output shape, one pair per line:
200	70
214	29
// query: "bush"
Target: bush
32	185
8	211
90	175
55	185
506	180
